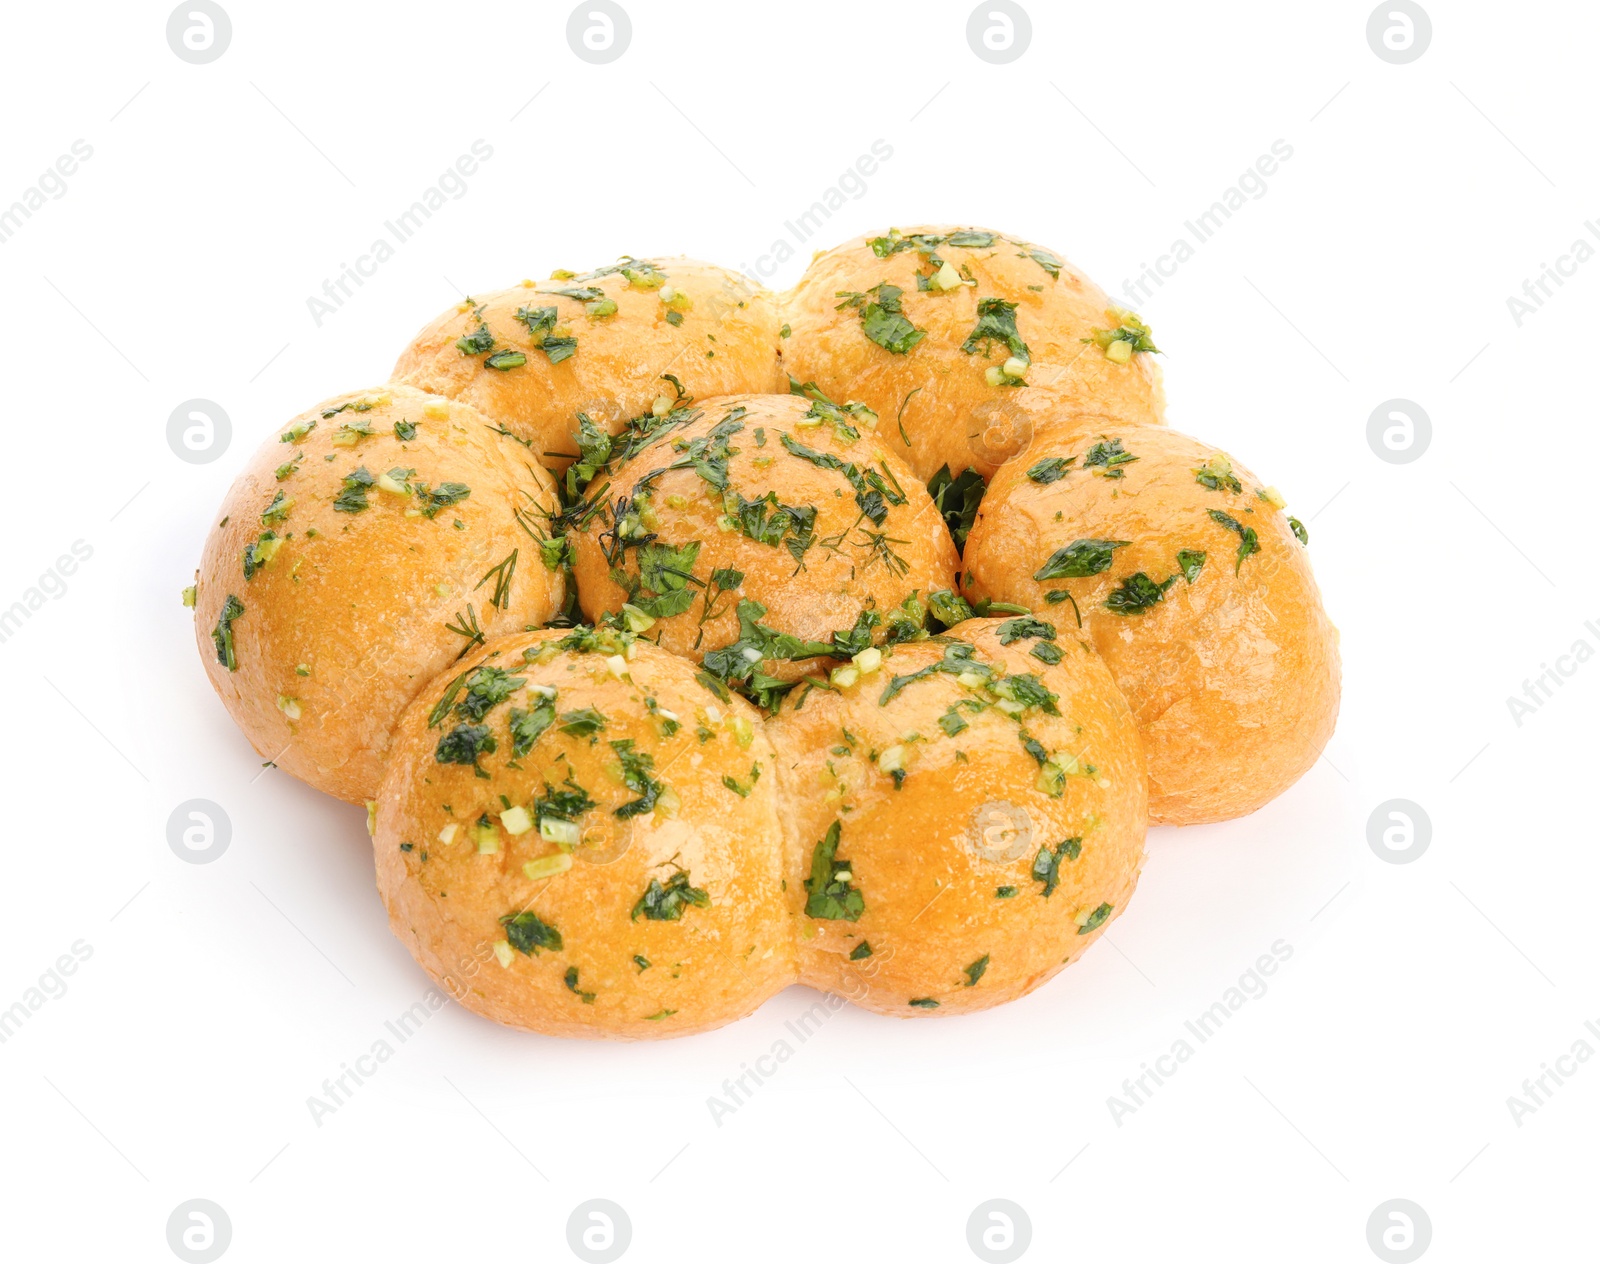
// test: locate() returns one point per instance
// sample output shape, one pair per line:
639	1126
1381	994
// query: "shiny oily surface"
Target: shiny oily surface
963	821
534	356
576	837
353	559
921	325
1194	588
754	517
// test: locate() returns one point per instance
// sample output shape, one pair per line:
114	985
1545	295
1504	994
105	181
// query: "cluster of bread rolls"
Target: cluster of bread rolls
687	641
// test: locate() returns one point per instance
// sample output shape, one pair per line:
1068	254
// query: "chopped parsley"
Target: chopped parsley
594	450
1189	562
440	497
506	361
1137	593
882	319
1047	864
997	322
1020	629
1217	474
974	972
665	903
1027	690
352	498
1046	260
665	572
1050	469
566	803
527	726
1299	529
957	660
861	951
477	342
540	323
829	893
948	608
464	744
1248	541
585	722
570	978
743	788
527	933
1108	456
739	663
1079	559
222	634
278	510
578	293
873	493
636	769
1005	893
923	1002
957	500
1096	920
487	688
259	552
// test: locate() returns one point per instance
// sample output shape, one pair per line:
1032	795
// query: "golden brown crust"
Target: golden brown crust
1233	677
348	617
726	342
944	864
721	943
936	391
816	576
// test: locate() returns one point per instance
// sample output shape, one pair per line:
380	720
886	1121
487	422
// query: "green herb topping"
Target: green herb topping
882	319
1107	458
1137	593
1079	559
830	895
1248	541
527	933
1047	864
222	634
665	903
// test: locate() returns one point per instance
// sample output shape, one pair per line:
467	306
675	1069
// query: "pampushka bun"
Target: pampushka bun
963	817
577	837
771	524
961	338
1195	588
361	551
599	343
940	795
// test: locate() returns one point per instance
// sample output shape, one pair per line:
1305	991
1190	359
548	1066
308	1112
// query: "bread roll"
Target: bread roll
599	343
1195	589
963	820
358	555
960	339
763	525
576	837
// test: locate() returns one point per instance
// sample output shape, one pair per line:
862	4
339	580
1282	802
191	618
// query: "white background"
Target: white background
1377	265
